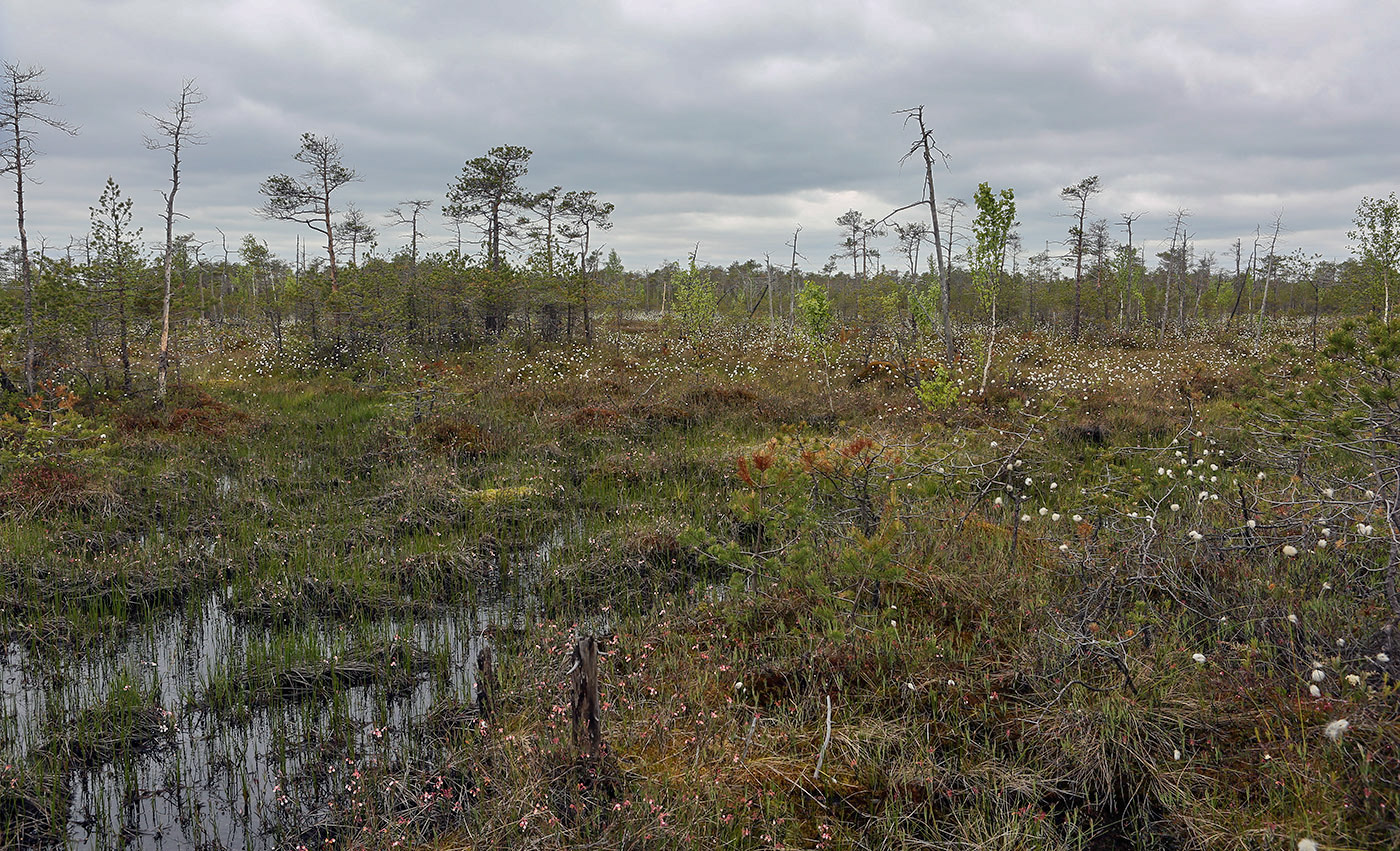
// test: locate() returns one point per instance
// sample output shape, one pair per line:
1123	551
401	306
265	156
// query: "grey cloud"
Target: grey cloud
729	122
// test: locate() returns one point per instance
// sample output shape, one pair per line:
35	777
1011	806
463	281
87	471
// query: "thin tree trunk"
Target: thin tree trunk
991	341
26	271
925	145
163	363
1269	276
124	350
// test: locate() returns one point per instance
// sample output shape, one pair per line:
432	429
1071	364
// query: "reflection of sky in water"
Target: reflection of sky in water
216	784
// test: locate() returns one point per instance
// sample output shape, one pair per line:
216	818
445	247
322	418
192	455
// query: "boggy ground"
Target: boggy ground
1090	609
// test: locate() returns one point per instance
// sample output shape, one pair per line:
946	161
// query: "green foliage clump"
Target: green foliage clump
697	304
814	307
938	392
49	430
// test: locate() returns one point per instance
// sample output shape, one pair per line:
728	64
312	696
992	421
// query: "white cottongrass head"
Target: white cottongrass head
1198	658
1318	675
1314	691
1383	658
1335	729
1306	844
1290	550
1353	680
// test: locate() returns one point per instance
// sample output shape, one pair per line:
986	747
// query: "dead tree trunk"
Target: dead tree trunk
588	731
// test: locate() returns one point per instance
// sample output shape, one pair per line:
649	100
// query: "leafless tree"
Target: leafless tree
21	109
952	205
173	132
792	273
1271	263
926	147
407	213
1176	250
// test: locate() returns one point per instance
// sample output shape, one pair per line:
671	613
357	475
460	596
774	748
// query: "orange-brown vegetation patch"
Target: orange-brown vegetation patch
455	435
595	417
42	487
188	410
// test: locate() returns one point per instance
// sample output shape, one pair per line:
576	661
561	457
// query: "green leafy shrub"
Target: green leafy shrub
937	392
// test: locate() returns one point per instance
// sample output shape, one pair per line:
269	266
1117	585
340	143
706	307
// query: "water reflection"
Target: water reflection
256	774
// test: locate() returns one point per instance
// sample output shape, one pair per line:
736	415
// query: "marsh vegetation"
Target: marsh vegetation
1107	603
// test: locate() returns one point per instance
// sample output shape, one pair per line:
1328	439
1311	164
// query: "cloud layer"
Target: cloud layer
730	123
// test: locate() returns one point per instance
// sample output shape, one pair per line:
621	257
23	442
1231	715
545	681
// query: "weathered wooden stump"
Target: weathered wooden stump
588	731
485	681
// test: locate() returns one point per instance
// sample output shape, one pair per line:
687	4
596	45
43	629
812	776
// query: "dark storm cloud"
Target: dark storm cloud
728	123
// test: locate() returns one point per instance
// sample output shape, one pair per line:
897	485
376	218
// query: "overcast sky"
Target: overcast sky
729	123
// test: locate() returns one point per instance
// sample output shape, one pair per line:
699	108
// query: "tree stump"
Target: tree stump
485	681
588	732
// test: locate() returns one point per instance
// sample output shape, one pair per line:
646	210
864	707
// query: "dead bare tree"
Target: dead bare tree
1270	268
926	147
1130	275
176	131
407	213
952	205
1178	245
1243	280
20	110
792	275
